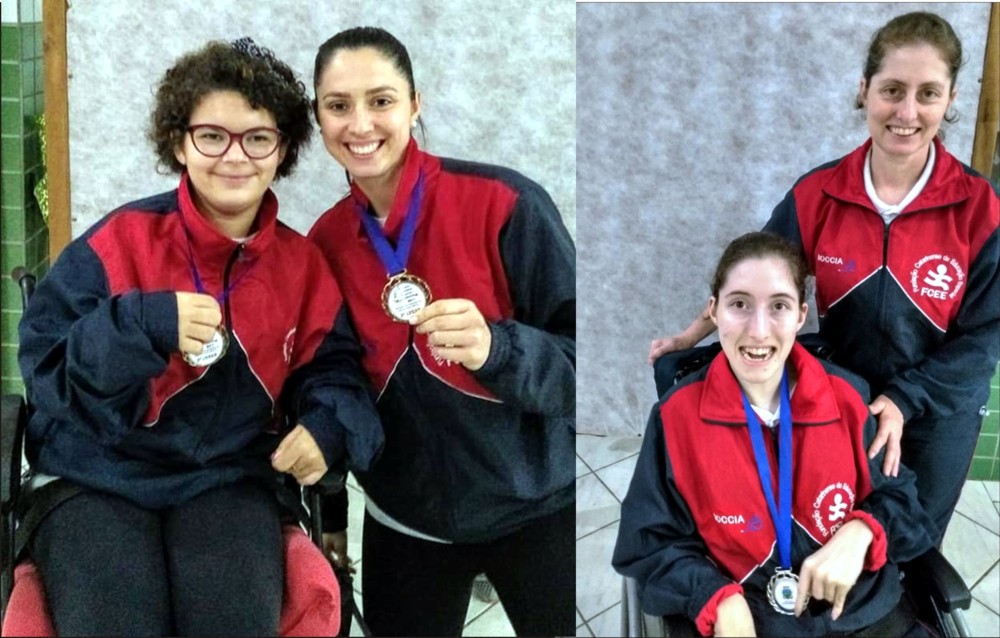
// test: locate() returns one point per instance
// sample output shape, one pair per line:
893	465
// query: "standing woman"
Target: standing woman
460	280
154	353
903	239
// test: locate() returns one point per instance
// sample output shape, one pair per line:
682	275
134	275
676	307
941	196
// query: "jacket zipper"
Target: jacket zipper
882	292
226	359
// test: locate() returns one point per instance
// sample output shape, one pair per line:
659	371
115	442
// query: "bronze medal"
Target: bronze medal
404	295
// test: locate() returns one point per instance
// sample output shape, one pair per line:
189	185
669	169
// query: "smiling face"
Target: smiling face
365	114
905	101
228	189
758	312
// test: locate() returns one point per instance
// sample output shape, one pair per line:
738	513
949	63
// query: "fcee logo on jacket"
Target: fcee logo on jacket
927	249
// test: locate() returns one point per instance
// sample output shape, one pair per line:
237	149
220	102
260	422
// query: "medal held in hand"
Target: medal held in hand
215	349
783	587
404	294
212	351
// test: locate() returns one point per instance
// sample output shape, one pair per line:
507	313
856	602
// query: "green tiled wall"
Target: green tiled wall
986	461
25	239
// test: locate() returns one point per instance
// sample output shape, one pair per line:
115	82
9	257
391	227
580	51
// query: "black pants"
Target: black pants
939	451
413	587
211	566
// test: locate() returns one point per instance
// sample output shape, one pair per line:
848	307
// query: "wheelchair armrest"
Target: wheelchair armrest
930	574
12	421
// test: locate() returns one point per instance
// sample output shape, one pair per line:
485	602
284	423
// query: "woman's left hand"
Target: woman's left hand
890	431
299	455
830	572
456	331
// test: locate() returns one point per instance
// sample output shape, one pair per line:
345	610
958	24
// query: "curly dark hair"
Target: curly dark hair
254	72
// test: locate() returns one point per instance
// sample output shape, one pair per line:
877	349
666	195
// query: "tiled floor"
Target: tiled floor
604	468
482	619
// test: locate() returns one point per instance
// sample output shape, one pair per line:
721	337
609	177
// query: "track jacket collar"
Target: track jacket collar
209	243
414	161
813	401
947	185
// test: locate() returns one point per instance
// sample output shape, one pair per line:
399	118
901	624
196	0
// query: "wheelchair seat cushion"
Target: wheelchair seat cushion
310	606
27	610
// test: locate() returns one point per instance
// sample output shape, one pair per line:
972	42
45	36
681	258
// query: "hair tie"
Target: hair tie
247	46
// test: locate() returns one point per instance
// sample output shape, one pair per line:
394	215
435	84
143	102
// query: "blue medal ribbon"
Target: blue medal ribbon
394	260
781	513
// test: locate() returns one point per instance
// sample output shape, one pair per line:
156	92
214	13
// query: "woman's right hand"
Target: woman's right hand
700	328
660	347
732	617
198	316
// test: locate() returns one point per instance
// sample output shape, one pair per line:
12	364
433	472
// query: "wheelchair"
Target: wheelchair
938	592
311	605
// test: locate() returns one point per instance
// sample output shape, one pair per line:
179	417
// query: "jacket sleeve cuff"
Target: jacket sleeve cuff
159	320
501	343
328	434
876	556
905	407
705	622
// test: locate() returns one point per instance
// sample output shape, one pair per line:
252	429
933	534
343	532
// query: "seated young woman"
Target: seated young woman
754	508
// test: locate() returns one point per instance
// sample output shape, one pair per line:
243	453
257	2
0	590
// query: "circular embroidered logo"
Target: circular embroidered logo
937	277
831	507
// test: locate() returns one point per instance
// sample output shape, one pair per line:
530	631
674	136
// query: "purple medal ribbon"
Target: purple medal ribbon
199	285
394	260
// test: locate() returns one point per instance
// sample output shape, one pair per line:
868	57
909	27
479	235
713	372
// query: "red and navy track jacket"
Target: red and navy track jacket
116	406
469	456
914	307
695	524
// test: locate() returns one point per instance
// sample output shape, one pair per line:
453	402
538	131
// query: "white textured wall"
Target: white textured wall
694	120
497	81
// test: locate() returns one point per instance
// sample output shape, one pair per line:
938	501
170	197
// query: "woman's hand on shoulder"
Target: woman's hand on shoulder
733	618
298	454
456	331
830	572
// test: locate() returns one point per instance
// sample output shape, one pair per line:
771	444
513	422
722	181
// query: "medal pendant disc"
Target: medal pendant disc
782	590
404	295
213	350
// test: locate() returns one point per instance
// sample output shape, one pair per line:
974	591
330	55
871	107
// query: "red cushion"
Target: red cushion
27	611
311	604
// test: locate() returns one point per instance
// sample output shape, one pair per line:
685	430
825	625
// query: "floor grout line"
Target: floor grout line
604	467
983	577
977	523
599	529
605	610
988	608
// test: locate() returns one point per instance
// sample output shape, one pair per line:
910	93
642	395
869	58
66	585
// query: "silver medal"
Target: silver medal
782	590
212	351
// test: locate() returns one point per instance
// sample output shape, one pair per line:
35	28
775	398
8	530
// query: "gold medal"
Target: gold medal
404	295
212	351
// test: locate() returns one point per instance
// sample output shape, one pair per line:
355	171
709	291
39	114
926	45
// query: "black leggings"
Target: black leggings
211	566
413	587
